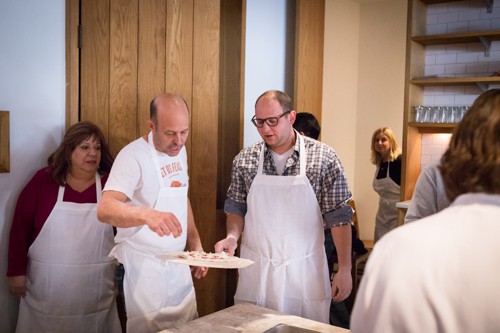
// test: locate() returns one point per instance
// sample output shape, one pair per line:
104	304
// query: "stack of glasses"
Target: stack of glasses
439	114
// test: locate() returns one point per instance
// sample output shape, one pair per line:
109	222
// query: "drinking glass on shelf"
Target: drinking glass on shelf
453	116
419	114
461	112
436	114
427	114
445	114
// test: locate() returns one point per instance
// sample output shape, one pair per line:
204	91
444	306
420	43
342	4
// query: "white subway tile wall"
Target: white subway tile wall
433	147
459	60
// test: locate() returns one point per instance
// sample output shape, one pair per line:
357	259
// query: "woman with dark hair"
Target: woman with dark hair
386	155
58	260
440	274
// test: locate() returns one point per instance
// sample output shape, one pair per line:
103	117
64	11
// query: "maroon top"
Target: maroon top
33	207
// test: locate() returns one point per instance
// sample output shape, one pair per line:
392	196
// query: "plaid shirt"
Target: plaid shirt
323	169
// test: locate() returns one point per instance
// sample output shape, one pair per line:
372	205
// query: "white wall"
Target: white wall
266	56
32	88
340	81
365	51
381	91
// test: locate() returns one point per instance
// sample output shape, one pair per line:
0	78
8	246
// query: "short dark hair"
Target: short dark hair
472	161
307	123
59	160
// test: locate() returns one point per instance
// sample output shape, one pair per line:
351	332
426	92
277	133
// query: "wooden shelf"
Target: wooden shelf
456	81
431	2
466	37
489	3
418	42
433	127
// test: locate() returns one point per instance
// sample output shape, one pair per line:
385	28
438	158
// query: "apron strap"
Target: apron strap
154	156
302	153
284	262
60	194
98	186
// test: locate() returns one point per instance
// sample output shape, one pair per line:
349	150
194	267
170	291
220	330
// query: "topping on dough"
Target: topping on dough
203	256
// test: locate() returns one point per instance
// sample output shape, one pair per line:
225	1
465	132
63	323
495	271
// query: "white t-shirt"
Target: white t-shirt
133	174
437	275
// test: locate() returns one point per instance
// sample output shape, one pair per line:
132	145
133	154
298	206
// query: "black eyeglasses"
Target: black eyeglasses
271	121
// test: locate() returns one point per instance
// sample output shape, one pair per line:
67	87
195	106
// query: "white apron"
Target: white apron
158	294
70	279
284	235
389	194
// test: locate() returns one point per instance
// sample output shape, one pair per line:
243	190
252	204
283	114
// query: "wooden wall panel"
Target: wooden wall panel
310	26
4	141
133	50
123	73
94	80
231	116
179	48
72	60
231	73
204	136
151	57
179	52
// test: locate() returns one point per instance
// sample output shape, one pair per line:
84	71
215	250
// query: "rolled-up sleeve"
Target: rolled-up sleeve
339	217
234	207
335	194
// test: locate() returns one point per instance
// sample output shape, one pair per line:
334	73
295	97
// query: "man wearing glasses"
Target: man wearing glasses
284	190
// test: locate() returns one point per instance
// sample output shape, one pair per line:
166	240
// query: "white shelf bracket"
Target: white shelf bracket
482	86
489	6
487	45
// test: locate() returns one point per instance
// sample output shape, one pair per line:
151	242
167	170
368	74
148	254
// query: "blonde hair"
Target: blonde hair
395	149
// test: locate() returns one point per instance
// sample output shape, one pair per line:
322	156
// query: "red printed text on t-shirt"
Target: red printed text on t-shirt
171	169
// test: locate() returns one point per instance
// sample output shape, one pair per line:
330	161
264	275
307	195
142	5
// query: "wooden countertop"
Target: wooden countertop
249	318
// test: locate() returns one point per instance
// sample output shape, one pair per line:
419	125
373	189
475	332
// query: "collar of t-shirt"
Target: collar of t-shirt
280	159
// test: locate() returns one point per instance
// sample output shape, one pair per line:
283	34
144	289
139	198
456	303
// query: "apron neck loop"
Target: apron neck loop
302	155
98	189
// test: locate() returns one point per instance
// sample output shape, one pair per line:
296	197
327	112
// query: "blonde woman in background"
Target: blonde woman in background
386	155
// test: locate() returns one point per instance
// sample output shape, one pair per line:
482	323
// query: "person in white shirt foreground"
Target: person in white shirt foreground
440	274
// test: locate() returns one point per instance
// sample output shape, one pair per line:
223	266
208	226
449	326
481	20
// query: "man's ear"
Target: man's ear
150	124
293	115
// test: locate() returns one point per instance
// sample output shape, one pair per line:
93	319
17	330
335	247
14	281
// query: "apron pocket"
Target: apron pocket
37	285
79	290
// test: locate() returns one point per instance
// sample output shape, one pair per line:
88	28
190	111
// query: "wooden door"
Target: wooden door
130	51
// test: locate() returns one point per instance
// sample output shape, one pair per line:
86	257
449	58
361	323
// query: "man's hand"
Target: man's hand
163	223
199	272
341	285
17	285
228	244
